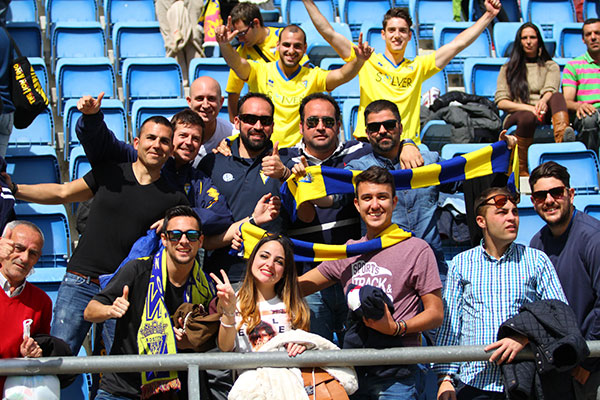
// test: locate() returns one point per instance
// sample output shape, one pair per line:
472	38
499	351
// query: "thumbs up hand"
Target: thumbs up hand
272	165
120	305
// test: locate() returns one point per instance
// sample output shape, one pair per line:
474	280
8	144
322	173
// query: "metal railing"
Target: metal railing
202	361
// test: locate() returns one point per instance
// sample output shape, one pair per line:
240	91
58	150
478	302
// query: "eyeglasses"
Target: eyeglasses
265	120
313	122
500	200
374	127
245	31
191	235
557	193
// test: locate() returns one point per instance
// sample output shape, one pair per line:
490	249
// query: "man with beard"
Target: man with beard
572	242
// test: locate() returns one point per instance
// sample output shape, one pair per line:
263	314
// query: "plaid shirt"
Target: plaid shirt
481	293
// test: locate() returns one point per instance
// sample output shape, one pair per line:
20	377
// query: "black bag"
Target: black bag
27	93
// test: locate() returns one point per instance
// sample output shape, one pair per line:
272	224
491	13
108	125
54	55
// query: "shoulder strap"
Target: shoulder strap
12	41
260	53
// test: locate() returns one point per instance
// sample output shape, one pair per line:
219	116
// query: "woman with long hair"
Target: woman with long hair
268	301
527	90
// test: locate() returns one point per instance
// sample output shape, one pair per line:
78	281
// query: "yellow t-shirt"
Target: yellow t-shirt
286	94
268	48
380	79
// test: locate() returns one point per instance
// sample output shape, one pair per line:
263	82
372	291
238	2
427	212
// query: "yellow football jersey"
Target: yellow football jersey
380	78
268	48
286	94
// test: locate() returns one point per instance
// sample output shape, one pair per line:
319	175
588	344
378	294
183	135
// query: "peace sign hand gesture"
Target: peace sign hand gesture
225	293
225	34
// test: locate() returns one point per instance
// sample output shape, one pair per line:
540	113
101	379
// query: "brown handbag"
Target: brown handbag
320	385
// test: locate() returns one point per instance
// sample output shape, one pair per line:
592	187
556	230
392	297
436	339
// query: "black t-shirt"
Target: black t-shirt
122	212
136	275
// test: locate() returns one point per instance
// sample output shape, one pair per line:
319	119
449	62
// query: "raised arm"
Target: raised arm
349	70
224	35
339	42
447	52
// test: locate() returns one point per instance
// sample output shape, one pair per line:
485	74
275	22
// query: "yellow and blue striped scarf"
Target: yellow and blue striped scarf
321	181
317	252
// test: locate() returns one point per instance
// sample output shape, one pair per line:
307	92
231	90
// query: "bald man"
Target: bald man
206	100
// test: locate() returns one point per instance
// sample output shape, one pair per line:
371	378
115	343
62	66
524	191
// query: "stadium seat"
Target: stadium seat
33	164
536	150
589	204
538	11
39	66
78	164
349	117
480	75
425	13
582	166
349	89
28	37
318	48
439	80
22	11
270	15
41	131
435	134
77	40
294	12
128	11
136	39
77	77
144	109
357	12
589	9
529	221
452	150
164	74
215	67
54	223
372	33
70	11
511	7
568	37
114	117
504	36
445	32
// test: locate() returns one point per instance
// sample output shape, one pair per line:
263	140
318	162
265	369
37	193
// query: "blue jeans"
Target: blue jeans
6	126
328	312
103	395
68	324
377	388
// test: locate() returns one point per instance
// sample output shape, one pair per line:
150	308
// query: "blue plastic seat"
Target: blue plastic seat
357	12
54	223
270	15
70	11
350	116
22	11
77	40
536	150
504	36
372	33
78	164
425	13
589	204
582	166
435	134
511	7
128	11
76	77
41	131
445	32
529	221
318	48
452	150
589	9
480	75
348	89
114	117
215	67
144	109
538	11
137	39
294	12
39	66
439	80
28	37
33	164
569	39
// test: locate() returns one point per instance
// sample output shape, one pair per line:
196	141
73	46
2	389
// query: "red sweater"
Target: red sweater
32	303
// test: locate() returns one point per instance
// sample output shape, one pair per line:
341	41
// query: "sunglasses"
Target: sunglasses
191	235
245	31
265	120
500	200
374	127
313	122
557	193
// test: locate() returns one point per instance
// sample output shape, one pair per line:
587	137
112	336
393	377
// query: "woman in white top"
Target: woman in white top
268	302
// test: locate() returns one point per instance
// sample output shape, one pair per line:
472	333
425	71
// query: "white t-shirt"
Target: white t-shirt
224	129
274	320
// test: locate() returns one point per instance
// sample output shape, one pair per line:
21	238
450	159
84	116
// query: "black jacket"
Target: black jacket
558	347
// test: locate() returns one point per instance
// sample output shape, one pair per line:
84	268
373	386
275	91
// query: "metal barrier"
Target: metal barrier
195	362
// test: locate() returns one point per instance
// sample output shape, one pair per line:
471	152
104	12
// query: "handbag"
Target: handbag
320	385
27	93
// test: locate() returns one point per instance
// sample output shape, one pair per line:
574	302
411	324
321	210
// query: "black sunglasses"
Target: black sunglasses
500	200
265	120
374	127
191	235
313	122
557	193
245	31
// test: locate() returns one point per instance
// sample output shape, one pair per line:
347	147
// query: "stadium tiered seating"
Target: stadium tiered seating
136	39
28	37
529	221
318	48
32	164
357	12
41	131
117	11
435	134
425	13
144	109
372	33
452	150
589	9
22	11
294	12
480	75
568	39
70	11
78	164
504	36
511	7
445	32
348	89
215	67
548	12
39	66
536	150
439	80
77	40
589	204
151	78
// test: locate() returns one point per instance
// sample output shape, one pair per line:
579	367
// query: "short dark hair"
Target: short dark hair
589	21
246	12
159	120
294	29
187	117
180	211
251	95
375	174
320	96
380	105
550	169
486	193
397	12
